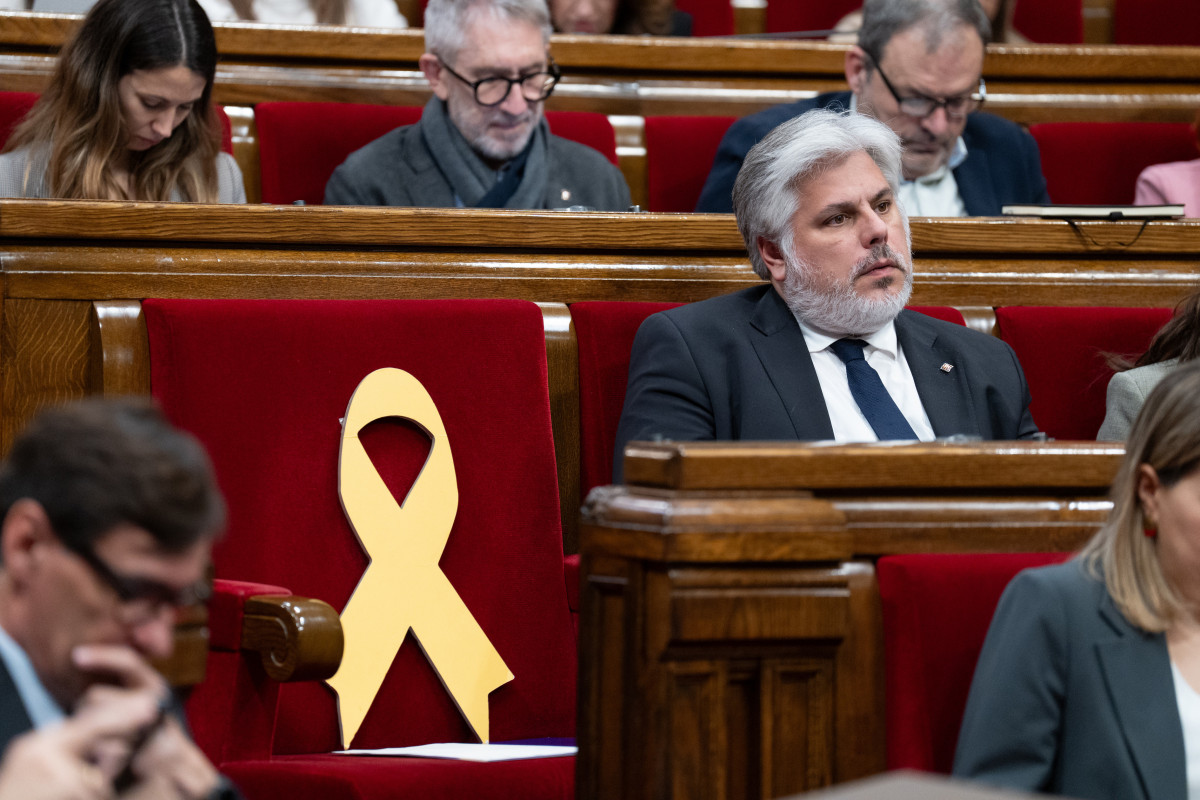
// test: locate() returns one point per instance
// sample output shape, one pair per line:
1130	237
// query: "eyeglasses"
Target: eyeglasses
142	599
921	107
535	87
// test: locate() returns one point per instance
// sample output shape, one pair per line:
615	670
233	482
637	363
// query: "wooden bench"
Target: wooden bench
730	627
630	78
74	275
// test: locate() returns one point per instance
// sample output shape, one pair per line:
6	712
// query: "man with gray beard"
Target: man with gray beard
482	141
826	350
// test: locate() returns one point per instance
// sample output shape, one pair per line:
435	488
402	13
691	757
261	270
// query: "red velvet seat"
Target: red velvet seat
679	155
1071	152
301	144
264	384
786	17
709	17
1049	21
1062	351
13	106
1156	22
936	612
604	332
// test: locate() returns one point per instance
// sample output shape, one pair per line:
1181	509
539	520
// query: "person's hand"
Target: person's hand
60	762
163	761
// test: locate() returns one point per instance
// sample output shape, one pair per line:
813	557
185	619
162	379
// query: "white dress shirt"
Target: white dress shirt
885	356
1189	717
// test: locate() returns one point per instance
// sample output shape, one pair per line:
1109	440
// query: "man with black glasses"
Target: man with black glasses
108	517
482	141
917	67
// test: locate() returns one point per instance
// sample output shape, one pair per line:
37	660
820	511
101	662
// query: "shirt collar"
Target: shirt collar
40	706
883	339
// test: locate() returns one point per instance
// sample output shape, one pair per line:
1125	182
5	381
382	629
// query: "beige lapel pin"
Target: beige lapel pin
947	367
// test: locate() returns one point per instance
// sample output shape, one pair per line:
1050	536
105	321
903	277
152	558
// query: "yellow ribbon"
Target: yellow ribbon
403	587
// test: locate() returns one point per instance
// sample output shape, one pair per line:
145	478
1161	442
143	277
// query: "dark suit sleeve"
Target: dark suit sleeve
666	397
1031	164
1026	428
342	190
1010	730
717	195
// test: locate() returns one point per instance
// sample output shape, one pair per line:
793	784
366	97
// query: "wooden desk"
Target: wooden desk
74	274
642	76
730	633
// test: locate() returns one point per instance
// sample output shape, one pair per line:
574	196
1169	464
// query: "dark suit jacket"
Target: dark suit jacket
1071	699
1002	164
14	720
737	367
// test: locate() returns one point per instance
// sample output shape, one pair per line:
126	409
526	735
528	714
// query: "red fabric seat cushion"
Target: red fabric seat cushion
264	384
1049	21
709	17
784	17
1062	350
679	155
334	777
1071	150
936	613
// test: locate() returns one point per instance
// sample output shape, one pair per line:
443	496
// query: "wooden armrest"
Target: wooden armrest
298	638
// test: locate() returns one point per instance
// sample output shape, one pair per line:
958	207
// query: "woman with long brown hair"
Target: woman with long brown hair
127	114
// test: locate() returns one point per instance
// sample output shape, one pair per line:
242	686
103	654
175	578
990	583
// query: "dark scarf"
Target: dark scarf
521	182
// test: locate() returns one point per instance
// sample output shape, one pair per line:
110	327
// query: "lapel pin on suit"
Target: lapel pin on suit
947	367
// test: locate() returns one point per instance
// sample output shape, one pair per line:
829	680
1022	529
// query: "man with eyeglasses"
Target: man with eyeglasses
917	67
482	141
107	519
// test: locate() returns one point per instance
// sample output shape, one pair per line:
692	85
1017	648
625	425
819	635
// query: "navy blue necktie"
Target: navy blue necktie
869	392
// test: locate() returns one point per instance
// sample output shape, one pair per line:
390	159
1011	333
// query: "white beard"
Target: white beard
839	310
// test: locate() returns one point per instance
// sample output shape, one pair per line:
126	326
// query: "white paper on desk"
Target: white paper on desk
471	752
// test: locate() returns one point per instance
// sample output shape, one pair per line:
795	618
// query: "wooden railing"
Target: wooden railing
74	275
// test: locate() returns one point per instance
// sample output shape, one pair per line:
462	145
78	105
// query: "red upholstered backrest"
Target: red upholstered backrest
709	17
1156	22
15	105
1049	21
1062	351
783	17
1071	152
604	331
264	384
936	612
679	155
301	144
586	127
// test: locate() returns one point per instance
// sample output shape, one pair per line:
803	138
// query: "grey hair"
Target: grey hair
883	19
446	21
766	193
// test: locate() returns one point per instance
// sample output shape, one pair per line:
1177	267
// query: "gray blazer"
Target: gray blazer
737	367
1071	699
1126	393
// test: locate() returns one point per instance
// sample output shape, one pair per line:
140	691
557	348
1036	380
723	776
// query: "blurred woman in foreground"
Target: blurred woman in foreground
1086	685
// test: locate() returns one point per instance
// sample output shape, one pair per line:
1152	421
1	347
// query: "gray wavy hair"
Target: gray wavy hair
766	193
446	21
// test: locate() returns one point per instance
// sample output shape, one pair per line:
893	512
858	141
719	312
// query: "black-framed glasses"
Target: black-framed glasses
142	599
921	107
535	87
